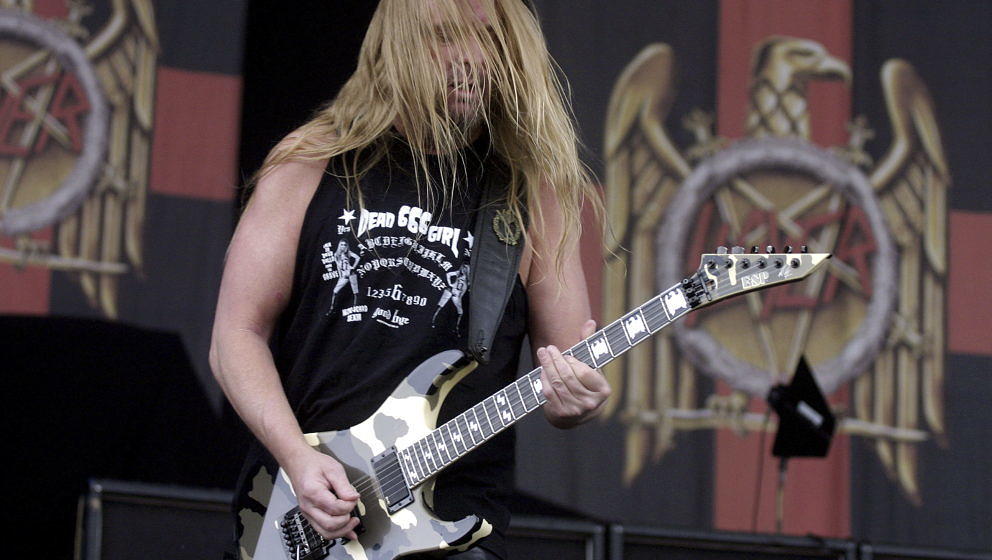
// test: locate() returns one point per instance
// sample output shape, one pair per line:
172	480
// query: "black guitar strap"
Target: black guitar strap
498	246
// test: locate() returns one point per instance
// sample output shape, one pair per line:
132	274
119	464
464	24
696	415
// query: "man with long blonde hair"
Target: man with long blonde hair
446	91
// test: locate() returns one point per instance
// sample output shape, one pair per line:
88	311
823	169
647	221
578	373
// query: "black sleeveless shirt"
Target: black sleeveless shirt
376	291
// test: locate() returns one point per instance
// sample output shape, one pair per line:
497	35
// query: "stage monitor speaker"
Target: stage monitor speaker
643	543
561	539
128	520
893	552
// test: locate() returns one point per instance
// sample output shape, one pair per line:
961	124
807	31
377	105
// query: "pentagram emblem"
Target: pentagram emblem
36	98
836	175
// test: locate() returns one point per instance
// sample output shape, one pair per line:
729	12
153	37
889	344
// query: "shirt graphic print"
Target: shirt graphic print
398	266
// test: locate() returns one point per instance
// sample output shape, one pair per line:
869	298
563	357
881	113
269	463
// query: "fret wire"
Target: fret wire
428	458
438	449
461	424
451	437
456	438
507	408
526	381
535	376
449	444
485	416
446	442
520	398
432	453
489	405
442	449
467	428
602	343
478	427
419	453
617	339
412	464
517	410
421	460
499	410
435	455
494	399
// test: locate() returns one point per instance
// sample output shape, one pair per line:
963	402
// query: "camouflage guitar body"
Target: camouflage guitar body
393	456
409	414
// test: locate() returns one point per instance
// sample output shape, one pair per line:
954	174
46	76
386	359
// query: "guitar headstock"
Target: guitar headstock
728	274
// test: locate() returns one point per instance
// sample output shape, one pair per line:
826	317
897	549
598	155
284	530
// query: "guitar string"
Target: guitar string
366	482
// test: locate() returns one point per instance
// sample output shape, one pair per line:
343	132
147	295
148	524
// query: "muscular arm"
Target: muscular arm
560	316
254	290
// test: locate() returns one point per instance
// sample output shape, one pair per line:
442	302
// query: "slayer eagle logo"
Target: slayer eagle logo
874	319
76	109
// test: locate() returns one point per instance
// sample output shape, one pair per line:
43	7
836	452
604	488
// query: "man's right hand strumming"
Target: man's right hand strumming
326	497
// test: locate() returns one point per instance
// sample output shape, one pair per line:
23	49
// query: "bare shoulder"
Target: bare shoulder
288	186
260	261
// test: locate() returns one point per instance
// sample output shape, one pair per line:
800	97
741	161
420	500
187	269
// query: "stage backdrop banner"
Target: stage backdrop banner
118	150
895	93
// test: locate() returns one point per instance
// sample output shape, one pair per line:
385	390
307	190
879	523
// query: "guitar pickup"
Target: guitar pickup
391	480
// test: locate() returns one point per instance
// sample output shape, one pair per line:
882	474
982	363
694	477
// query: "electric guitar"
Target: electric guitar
392	457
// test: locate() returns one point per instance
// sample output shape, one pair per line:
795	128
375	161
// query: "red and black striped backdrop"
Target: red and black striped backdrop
937	492
185	175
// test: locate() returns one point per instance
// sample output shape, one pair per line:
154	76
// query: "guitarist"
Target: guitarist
446	92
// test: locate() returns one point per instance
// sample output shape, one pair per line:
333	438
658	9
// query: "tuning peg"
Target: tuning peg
737	250
804	249
788	248
721	250
769	249
754	248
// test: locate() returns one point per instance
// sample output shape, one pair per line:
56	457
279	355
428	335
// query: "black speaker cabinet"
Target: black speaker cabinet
128	520
560	539
643	543
893	552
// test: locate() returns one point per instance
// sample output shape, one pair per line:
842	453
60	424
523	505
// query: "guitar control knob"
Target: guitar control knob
804	249
737	250
788	248
754	248
721	250
769	249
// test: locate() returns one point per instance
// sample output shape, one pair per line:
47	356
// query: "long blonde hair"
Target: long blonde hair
400	85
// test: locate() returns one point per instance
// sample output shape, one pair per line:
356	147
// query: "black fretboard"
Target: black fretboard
463	433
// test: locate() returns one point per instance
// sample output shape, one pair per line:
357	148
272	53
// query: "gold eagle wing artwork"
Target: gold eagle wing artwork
644	169
106	230
900	394
911	182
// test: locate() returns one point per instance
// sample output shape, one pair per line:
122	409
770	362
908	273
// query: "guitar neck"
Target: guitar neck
470	429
